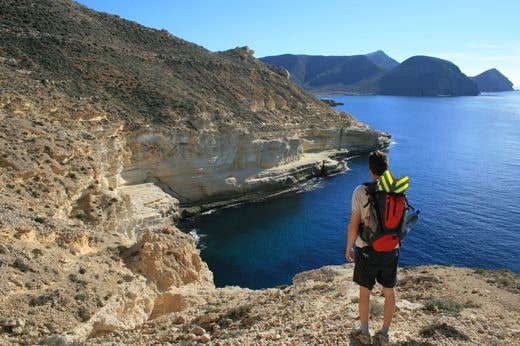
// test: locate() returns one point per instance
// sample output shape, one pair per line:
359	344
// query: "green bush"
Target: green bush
449	306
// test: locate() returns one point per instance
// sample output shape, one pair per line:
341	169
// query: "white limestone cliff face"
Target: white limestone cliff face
211	166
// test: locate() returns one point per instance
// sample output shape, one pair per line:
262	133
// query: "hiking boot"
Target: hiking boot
381	339
362	338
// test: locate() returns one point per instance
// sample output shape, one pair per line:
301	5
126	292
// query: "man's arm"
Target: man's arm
353	228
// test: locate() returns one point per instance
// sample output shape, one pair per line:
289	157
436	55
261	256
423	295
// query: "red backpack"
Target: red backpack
387	199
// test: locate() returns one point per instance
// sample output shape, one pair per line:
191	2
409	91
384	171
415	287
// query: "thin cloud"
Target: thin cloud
486	46
470	56
474	62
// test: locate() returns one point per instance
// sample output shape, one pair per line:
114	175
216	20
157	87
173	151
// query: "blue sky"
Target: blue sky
476	35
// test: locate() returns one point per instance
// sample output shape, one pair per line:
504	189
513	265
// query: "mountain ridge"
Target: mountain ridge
335	78
315	70
381	59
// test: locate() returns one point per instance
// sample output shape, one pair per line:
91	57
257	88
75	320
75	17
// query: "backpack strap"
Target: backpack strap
371	191
408	205
371	188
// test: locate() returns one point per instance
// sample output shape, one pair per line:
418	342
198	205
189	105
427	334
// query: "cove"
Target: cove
462	155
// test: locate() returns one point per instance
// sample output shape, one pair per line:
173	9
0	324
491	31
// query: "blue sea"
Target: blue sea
463	158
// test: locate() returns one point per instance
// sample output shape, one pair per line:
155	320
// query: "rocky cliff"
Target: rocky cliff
110	132
492	80
146	106
377	73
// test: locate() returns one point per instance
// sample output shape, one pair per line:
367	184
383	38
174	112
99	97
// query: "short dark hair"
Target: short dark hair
378	162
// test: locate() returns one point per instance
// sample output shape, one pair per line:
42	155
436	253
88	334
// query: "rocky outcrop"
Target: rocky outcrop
332	102
492	80
434	307
78	282
167	259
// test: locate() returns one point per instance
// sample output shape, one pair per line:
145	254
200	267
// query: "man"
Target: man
371	266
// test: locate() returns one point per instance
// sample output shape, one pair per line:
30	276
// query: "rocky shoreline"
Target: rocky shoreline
331	102
281	180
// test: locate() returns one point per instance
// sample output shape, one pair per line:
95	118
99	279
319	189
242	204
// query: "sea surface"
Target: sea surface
463	158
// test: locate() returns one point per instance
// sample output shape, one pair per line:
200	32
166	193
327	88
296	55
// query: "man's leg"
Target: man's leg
382	337
362	334
364	306
389	307
388	278
365	278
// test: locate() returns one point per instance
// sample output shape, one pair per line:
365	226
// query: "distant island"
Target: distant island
377	73
492	80
427	76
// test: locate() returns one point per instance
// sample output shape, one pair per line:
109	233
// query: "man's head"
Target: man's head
377	163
